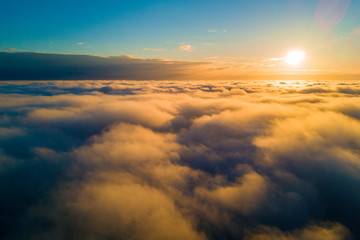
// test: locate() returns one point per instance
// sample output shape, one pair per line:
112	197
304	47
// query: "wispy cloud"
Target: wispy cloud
152	49
271	59
211	58
214	30
80	43
187	48
13	50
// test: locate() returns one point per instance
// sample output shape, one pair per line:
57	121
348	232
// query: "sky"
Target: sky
199	120
248	37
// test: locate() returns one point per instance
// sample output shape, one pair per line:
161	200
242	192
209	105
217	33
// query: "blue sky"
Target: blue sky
213	30
127	27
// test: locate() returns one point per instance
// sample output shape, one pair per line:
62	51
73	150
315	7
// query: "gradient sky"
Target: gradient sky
223	31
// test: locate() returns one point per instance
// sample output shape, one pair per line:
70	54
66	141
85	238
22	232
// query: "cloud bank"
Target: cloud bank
26	65
251	160
18	65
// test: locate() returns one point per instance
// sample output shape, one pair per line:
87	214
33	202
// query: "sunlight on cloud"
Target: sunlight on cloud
187	48
250	160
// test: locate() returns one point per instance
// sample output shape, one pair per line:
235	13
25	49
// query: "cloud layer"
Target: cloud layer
26	65
46	66
250	160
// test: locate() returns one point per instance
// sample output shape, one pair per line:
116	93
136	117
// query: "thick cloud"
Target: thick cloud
326	231
179	160
44	66
26	65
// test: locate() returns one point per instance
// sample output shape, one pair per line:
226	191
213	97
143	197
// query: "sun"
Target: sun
295	57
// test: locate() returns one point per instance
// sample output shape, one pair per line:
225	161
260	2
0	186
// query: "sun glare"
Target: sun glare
295	57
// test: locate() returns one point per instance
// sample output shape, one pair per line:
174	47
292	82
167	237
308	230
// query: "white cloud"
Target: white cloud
180	159
271	59
187	48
